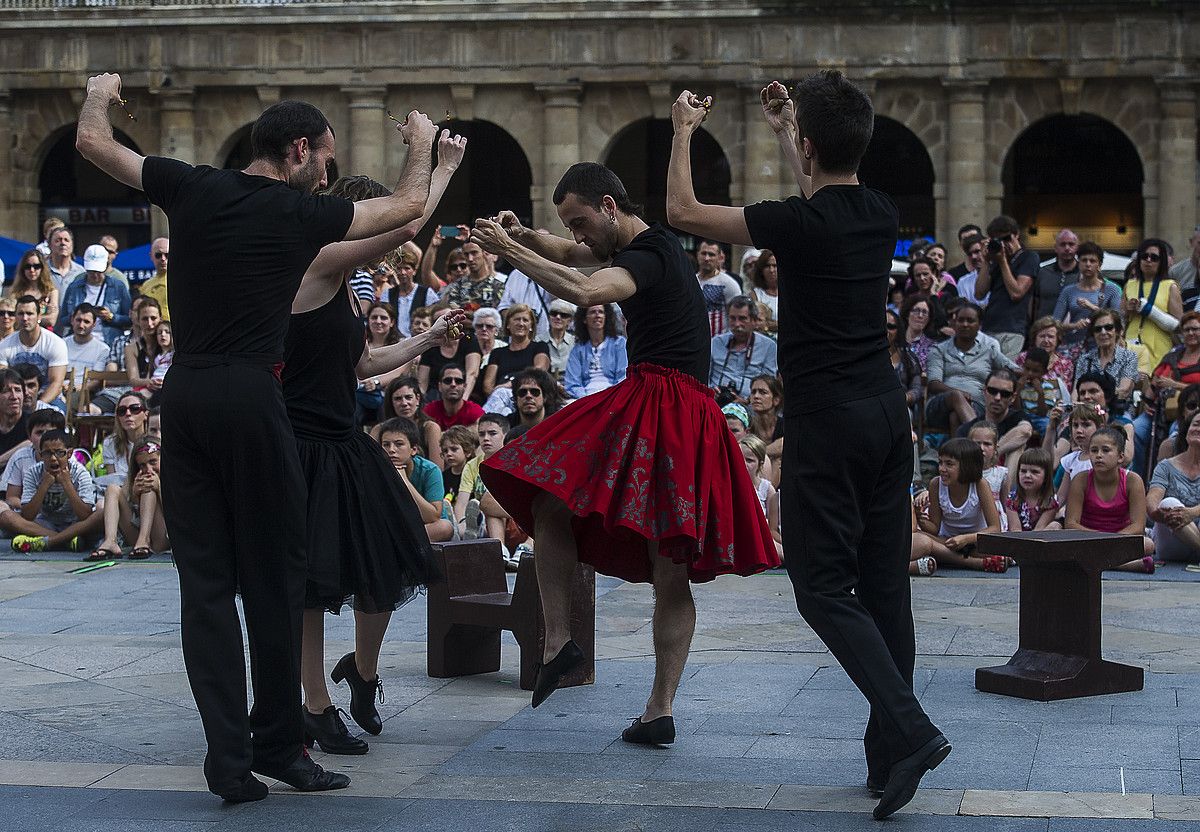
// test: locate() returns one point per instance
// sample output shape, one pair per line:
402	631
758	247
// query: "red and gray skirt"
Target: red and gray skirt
650	459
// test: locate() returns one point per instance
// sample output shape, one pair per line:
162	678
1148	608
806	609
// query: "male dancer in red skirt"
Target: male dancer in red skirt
847	457
644	480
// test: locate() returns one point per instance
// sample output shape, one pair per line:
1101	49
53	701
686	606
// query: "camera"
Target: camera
995	246
727	394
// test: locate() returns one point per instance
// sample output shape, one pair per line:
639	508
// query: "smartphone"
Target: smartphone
450	232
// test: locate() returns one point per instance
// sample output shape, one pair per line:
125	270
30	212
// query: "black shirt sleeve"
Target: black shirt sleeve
644	265
771	222
161	179
326	219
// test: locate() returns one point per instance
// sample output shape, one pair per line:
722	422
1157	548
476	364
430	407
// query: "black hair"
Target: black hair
968	455
610	321
1164	250
1005	374
24	299
494	419
591	182
283	123
974	239
969	227
55	436
836	117
86	308
401	425
515	433
1002	226
26	371
1107	385
10	376
451	365
969	305
46	416
549	387
1039	355
1088	247
1117	436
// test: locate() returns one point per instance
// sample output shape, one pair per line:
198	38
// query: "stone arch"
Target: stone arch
898	163
234	147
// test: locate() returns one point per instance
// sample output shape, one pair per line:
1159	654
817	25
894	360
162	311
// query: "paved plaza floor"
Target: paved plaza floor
98	730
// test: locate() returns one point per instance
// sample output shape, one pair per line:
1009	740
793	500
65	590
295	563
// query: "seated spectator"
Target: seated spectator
754	454
459	444
485	322
1085	420
1038	391
522	351
536	397
492	427
944	284
916	323
738	419
599	359
958	370
718	287
13	420
739	354
1045	333
129	426
922	280
400	440
26	454
463	352
108	296
1110	499
403	398
920	562
420	320
1188	405
1153	303
403	294
1031	504
1179	368
31	344
907	368
32	278
31	381
961	508
154	421
1078	302
562	339
133	509
1099	391
8	316
140	351
58	501
84	350
1173	500
451	409
985	435
1108	356
765	279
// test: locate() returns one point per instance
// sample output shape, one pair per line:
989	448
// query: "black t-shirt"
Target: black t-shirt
508	363
239	246
959	270
451	481
1014	417
1003	314
16	436
434	360
835	257
666	319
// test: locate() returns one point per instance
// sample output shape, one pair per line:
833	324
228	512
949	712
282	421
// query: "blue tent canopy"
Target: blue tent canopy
10	253
136	263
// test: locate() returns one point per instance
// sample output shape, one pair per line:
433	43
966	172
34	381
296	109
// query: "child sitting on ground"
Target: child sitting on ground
754	453
133	509
1109	498
24	458
399	437
961	507
459	444
58	497
986	435
1031	504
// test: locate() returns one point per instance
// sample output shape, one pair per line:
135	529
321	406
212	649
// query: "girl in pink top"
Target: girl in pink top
1110	499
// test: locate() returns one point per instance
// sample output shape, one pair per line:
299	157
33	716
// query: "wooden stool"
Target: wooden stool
468	609
1060	630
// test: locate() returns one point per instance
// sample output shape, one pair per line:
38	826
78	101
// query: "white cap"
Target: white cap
95	259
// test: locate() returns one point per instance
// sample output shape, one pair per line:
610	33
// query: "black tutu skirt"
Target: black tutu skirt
366	541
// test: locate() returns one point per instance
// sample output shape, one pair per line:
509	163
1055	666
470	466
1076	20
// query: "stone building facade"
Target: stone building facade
566	78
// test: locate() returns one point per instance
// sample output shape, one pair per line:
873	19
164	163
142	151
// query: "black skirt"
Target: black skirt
366	540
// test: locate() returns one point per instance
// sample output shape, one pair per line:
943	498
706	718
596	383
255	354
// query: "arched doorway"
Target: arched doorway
897	163
1080	172
90	201
640	155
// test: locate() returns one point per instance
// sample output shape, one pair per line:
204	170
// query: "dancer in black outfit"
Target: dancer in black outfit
847	458
366	539
233	490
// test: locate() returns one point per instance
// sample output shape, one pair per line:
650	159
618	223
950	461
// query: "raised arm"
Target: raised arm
780	112
445	330
609	285
407	202
684	211
94	138
551	247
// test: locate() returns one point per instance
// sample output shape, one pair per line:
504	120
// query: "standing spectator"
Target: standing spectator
451	408
8	316
63	269
916	320
944	282
519	289
717	287
974	247
480	286
1009	279
106	295
741	353
965	233
113	249
923	280
1084	296
1044	333
48	227
1153	303
764	277
561	340
405	295
33	279
427	277
84	350
31	344
156	287
1055	277
958	369
522	351
1108	357
1184	272
599	359
749	261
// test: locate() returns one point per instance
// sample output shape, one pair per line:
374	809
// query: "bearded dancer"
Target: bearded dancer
644	480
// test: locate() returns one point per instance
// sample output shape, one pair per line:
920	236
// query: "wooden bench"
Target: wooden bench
468	609
1060	629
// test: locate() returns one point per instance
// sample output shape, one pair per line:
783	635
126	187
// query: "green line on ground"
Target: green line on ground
92	567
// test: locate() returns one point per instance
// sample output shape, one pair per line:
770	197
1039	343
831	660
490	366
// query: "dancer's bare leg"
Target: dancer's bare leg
556	561
312	662
369	630
674	625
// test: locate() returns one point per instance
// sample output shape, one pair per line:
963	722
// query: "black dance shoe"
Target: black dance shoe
247	791
329	732
551	673
362	695
876	786
659	731
906	775
304	775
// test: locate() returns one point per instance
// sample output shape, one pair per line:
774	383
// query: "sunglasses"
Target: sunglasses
454	381
534	392
1104	328
455	266
4	313
37	267
130	409
996	391
1151	257
111	250
557	314
892	327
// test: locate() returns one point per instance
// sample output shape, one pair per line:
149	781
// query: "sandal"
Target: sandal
141	553
995	563
926	566
100	553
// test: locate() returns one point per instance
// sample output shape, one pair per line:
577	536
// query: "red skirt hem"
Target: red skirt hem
650	459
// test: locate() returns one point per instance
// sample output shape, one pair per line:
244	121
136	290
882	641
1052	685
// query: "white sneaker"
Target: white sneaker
471	520
926	566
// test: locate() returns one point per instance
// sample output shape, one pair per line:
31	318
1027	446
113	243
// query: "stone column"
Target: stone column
177	125
1176	163
761	158
561	105
7	221
367	138
967	195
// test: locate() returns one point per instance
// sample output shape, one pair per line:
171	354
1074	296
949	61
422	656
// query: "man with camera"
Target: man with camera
1009	279
740	355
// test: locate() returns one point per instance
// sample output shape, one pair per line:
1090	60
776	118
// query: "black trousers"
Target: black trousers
234	502
846	536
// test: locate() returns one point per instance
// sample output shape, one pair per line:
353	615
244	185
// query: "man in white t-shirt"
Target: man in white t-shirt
520	289
31	344
85	351
718	288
